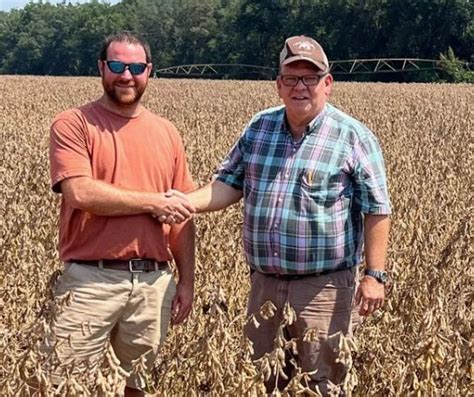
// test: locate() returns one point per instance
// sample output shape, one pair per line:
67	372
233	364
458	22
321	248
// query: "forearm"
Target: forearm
182	246
376	234
101	198
214	196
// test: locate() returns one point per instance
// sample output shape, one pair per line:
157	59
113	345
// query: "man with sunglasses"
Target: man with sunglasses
113	161
314	189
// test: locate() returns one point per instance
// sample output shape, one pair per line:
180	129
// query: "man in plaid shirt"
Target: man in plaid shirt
314	189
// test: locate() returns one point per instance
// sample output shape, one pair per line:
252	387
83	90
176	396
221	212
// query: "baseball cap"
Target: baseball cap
302	48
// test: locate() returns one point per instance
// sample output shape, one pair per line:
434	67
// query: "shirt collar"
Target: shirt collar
310	128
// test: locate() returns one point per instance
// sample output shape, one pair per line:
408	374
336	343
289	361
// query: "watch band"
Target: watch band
380	275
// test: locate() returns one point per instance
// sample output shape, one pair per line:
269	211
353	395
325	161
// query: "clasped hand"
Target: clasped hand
174	207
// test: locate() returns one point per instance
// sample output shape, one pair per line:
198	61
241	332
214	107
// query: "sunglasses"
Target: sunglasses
118	67
308	80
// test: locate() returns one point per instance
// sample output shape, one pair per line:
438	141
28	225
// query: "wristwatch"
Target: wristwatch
380	275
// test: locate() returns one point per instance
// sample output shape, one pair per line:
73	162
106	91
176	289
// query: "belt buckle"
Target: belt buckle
130	265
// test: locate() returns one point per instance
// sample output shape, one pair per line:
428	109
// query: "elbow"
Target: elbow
77	201
75	193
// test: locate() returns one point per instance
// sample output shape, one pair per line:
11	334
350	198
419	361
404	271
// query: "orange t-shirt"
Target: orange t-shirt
144	153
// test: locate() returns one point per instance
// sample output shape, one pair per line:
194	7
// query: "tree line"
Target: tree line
45	39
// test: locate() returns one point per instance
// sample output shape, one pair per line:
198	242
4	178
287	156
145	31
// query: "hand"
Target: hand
182	302
371	294
173	207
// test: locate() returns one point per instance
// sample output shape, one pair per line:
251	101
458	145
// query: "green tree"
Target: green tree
154	20
424	28
453	69
63	39
260	28
195	40
25	34
93	22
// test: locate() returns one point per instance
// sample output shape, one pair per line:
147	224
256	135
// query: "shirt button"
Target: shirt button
280	199
294	149
287	175
275	254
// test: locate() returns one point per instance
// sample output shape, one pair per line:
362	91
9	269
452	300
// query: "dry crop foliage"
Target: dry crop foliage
420	344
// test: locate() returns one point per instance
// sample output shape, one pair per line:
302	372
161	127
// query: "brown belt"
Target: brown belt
132	265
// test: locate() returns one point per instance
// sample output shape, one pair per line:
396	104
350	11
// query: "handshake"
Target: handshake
173	207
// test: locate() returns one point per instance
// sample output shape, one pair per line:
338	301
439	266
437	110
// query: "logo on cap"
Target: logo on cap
304	45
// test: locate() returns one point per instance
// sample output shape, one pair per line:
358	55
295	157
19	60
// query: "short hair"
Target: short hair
124	37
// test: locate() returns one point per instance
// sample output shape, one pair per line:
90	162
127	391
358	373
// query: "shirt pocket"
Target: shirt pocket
323	187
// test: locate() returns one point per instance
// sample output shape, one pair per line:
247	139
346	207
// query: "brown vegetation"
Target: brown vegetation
419	344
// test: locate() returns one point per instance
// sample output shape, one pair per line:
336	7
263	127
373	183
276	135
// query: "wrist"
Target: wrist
186	282
152	202
380	275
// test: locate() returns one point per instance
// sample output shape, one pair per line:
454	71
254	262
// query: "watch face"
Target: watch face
383	277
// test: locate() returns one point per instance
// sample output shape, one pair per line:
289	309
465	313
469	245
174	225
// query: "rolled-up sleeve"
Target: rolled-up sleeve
369	176
232	169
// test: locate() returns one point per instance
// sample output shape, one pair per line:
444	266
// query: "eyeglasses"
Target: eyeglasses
308	80
118	67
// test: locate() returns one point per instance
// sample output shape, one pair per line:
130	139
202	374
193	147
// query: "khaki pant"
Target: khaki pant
323	303
131	310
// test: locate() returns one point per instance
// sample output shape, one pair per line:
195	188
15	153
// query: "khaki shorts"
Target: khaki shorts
323	303
131	310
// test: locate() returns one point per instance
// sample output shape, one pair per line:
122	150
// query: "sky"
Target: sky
7	5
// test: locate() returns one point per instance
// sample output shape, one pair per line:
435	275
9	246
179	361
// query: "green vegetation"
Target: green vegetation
453	69
43	39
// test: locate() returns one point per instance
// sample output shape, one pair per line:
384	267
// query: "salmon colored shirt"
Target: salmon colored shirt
143	153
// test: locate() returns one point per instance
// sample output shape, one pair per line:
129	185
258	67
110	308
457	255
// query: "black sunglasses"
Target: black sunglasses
118	67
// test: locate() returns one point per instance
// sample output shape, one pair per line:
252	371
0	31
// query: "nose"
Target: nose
299	85
126	73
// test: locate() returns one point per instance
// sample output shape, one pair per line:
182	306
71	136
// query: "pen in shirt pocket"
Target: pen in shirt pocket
309	176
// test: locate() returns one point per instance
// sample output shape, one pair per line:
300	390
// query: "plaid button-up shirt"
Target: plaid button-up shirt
304	201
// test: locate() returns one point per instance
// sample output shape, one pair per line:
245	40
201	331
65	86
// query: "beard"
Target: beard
122	97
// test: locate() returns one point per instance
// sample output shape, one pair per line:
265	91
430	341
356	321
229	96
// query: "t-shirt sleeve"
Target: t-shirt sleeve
232	170
370	181
68	154
182	179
